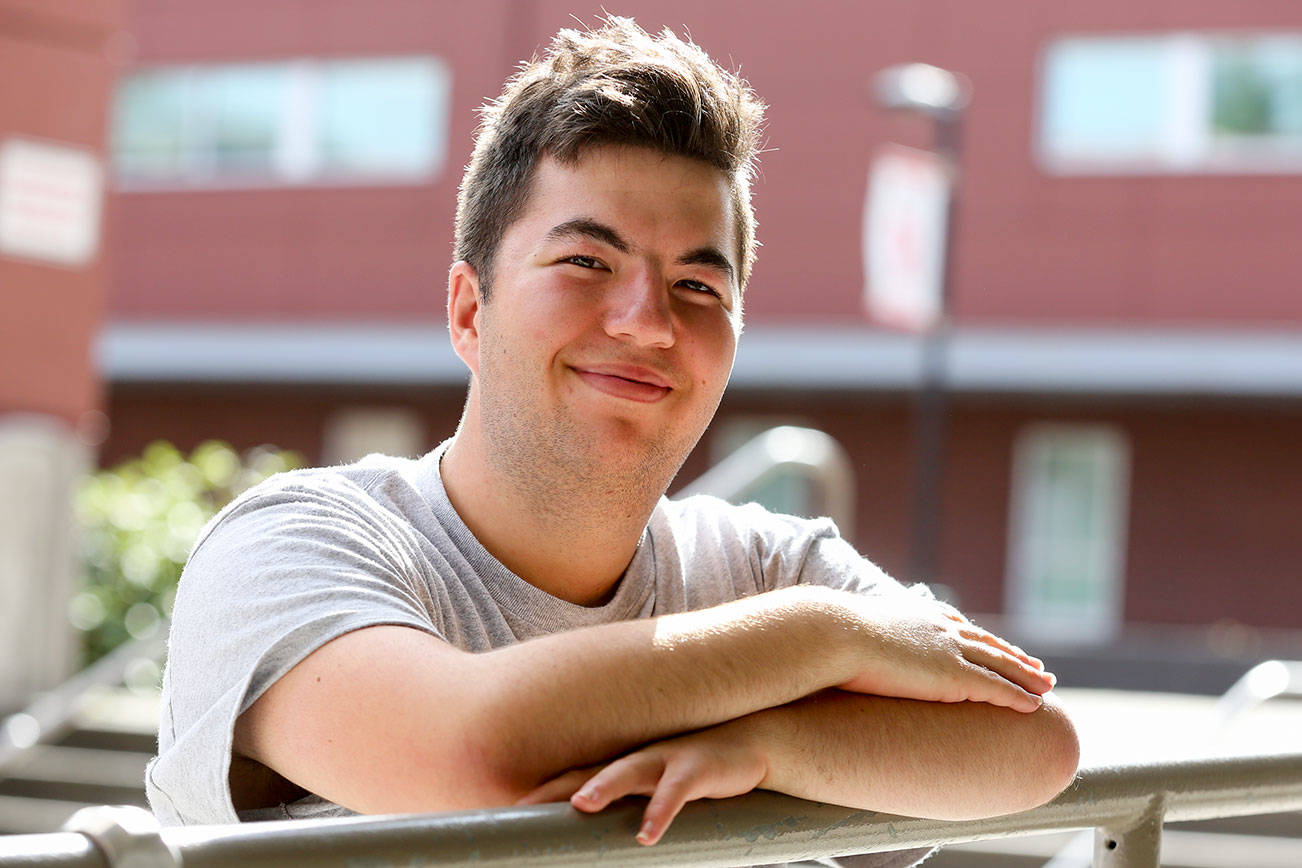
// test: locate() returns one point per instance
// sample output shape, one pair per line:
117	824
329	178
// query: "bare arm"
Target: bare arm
921	759
900	756
392	719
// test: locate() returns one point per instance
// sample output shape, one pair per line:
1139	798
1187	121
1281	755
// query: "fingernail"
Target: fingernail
646	834
588	794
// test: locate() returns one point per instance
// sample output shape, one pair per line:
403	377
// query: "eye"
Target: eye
583	261
697	286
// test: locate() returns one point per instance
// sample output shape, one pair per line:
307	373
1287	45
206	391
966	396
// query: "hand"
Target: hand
914	648
713	763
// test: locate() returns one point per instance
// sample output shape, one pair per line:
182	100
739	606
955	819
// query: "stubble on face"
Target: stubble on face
556	459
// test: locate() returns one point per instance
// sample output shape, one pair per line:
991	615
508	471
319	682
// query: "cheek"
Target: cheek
711	352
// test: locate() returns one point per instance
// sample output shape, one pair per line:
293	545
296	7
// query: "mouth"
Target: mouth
629	382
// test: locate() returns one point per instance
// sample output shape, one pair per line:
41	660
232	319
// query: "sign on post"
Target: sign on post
904	229
49	202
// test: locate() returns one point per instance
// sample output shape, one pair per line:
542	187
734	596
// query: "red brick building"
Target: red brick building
1124	433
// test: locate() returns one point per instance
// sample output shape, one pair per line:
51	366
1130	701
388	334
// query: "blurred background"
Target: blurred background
1058	337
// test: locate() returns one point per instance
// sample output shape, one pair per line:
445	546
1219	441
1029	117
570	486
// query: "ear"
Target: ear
463	313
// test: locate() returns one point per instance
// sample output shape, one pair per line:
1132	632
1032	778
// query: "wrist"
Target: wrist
754	735
834	633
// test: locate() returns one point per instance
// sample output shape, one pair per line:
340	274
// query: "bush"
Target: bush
138	521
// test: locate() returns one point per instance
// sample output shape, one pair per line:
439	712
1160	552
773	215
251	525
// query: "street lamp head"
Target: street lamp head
923	88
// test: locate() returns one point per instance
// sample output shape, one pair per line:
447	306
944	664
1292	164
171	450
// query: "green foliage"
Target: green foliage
138	521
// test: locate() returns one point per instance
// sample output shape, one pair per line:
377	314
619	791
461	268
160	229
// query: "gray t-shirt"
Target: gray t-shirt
310	555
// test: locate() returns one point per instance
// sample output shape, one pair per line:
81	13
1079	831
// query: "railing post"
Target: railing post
126	836
1134	845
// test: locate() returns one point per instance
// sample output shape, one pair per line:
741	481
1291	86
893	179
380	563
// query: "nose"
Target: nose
639	311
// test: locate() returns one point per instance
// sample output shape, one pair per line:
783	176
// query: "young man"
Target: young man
520	616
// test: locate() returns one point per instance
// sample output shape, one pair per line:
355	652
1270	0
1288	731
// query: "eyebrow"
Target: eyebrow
586	227
710	257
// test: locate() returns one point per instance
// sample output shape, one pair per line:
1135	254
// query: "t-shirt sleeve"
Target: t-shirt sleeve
831	561
275	576
767	550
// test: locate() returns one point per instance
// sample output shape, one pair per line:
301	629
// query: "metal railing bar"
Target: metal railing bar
1263	682
51	714
809	452
50	850
757	828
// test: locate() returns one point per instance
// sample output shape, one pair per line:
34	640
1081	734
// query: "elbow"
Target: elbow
1057	755
492	763
1036	759
499	755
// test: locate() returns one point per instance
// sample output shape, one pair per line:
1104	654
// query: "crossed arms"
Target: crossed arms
889	703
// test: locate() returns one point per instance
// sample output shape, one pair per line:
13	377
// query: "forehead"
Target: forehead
662	200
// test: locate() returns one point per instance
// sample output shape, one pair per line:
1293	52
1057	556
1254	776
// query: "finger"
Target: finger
977	634
635	774
668	799
1034	661
952	613
996	690
1002	688
1022	674
559	788
999	642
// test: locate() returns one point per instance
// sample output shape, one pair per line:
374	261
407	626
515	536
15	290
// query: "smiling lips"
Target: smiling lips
630	382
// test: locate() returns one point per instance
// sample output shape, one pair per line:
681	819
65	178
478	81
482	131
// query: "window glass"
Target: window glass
149	136
1066	548
1257	88
381	117
1106	97
239	111
288	122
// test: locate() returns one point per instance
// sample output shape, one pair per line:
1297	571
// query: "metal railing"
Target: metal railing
1267	680
805	452
1125	804
51	714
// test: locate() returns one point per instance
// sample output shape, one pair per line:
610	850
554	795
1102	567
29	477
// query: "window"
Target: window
295	122
1067	532
1176	103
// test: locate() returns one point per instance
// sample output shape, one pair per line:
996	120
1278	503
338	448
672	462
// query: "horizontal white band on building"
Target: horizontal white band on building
1018	360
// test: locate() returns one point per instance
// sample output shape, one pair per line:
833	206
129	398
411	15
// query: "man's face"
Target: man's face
613	318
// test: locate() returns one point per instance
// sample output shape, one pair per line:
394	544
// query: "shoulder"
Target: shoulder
738	549
703	514
368	492
779	549
374	474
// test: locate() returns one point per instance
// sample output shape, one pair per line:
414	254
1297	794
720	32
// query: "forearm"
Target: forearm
390	718
581	697
924	759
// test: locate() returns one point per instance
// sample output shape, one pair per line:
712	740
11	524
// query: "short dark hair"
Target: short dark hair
615	85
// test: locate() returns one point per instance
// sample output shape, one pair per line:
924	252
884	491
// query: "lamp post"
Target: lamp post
942	96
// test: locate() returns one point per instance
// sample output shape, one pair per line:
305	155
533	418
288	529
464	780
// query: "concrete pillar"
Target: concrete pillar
41	461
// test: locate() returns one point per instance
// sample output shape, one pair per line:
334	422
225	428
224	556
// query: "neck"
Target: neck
569	534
